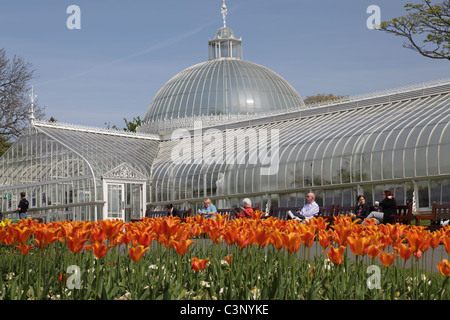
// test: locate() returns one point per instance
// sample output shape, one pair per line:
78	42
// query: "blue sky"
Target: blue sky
127	50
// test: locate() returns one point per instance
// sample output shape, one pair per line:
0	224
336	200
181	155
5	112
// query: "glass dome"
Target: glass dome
223	86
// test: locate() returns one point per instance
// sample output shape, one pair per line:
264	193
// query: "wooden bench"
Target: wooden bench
281	212
232	212
404	215
344	210
162	214
327	212
438	212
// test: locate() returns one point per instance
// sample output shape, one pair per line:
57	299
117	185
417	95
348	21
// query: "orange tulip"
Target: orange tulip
336	255
444	267
242	240
199	265
24	249
111	228
374	251
61	277
404	251
324	238
75	244
291	242
228	259
182	246
99	249
276	239
446	242
21	234
262	237
308	238
358	245
230	234
137	252
98	235
435	240
387	259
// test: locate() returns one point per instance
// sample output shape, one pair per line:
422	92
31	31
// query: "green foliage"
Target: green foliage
130	126
255	273
322	97
426	27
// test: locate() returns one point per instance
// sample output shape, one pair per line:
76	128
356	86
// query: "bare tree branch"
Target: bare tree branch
15	75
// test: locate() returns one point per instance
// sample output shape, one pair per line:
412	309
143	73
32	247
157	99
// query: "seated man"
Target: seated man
309	210
174	212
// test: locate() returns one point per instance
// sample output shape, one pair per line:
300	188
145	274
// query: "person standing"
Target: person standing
22	208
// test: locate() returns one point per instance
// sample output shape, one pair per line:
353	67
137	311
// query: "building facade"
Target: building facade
226	129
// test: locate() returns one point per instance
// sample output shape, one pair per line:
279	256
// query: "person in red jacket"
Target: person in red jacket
246	210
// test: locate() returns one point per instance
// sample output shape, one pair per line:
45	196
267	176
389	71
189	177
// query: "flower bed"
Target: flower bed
242	259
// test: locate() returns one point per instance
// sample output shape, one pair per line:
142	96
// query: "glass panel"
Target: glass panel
424	199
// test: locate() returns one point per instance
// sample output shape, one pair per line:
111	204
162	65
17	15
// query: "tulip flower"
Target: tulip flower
75	244
444	267
374	251
137	252
99	249
446	242
404	251
387	259
358	245
199	265
336	255
24	249
324	238
182	246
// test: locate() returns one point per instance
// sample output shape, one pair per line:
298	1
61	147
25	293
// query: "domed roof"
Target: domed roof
224	33
223	86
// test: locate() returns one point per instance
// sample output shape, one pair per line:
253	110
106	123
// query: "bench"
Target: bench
231	212
438	212
404	215
162	214
327	212
281	212
344	210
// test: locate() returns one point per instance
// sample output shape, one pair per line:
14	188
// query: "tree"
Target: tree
322	97
426	27
131	126
15	75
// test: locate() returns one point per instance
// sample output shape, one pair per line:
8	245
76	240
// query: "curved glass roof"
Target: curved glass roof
223	86
345	147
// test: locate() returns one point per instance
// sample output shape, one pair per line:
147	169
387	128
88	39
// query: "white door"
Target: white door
115	202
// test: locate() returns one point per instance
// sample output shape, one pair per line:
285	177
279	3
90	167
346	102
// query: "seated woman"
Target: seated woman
388	208
208	210
362	209
247	210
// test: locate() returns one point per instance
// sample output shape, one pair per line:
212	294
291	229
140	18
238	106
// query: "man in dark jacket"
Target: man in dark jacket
22	208
174	212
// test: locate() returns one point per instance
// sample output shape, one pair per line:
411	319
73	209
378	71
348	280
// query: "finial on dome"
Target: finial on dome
224	13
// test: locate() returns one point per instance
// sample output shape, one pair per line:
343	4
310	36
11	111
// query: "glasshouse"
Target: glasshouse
228	129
